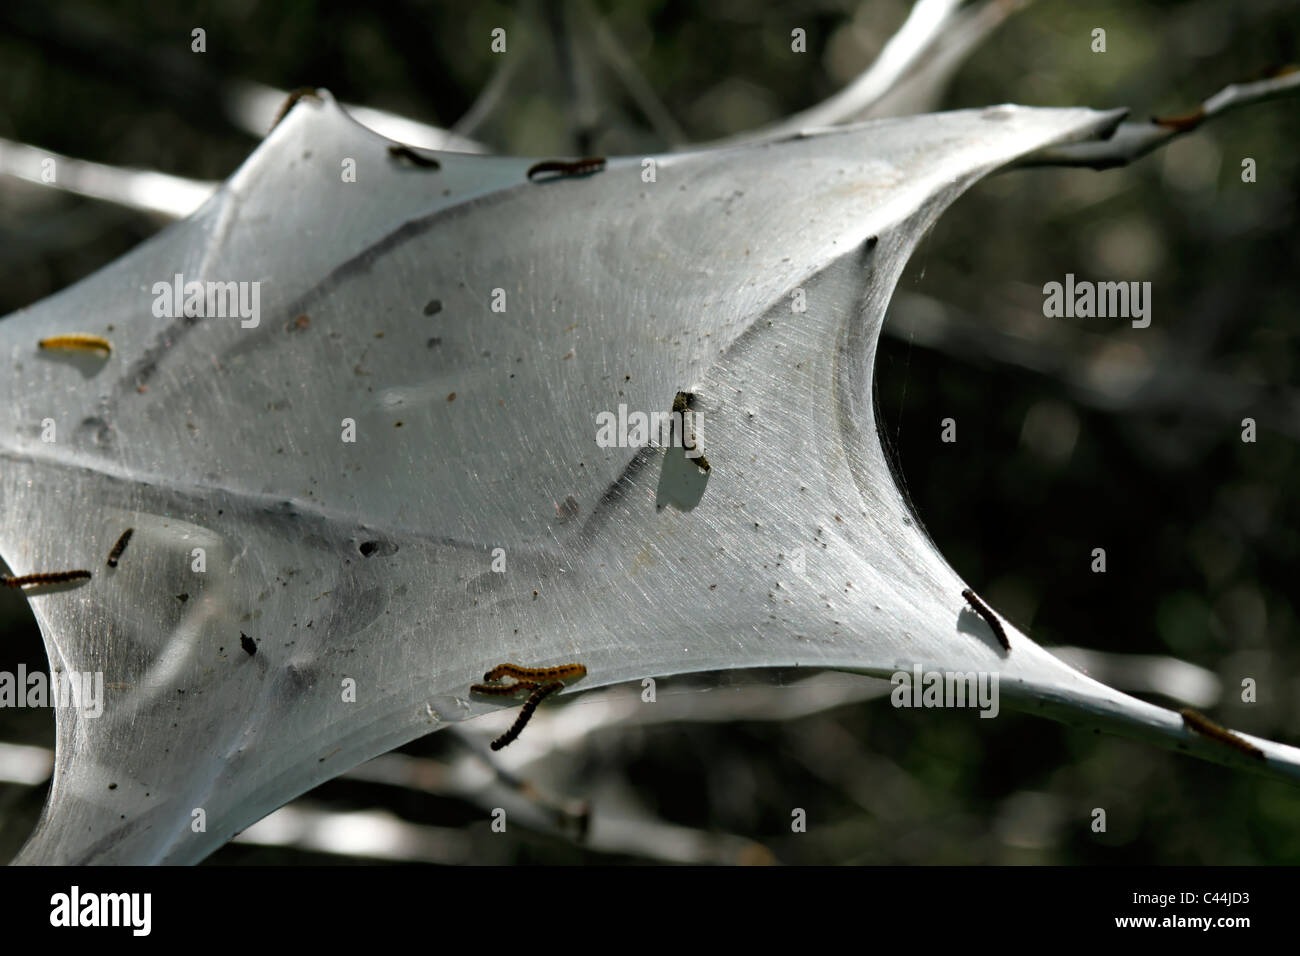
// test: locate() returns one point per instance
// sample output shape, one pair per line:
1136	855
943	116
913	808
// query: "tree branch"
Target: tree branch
1133	140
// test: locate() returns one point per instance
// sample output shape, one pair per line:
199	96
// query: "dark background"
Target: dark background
1052	459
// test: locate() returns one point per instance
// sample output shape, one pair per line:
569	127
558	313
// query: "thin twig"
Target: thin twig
172	196
491	96
920	87
634	82
1133	140
919	35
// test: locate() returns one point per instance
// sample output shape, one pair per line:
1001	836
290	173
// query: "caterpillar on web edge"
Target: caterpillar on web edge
524	715
1208	728
48	577
986	612
562	672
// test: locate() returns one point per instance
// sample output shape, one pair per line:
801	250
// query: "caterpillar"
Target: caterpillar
49	577
577	167
539	681
1208	728
119	547
412	157
525	714
539	674
78	342
291	101
682	403
991	619
502	690
1181	124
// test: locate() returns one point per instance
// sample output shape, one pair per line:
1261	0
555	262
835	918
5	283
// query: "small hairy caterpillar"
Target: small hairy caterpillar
412	157
291	101
984	611
49	577
1208	728
578	167
540	681
502	690
540	674
525	714
119	547
78	342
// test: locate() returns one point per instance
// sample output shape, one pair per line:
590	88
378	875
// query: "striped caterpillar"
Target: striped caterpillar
49	577
539	681
991	619
1208	728
577	167
521	721
540	674
502	690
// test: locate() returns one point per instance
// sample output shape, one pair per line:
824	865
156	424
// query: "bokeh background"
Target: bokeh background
1072	433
